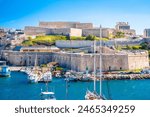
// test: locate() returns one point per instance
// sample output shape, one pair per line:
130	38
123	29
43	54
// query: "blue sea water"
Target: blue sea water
18	88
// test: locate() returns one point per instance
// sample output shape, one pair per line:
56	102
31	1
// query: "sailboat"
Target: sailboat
47	95
94	95
34	75
86	77
47	76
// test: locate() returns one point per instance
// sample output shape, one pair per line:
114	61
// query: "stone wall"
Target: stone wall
65	25
85	43
138	60
73	44
30	30
84	25
55	31
96	32
58	24
79	62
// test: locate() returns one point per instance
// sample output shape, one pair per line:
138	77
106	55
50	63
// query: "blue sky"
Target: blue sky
20	13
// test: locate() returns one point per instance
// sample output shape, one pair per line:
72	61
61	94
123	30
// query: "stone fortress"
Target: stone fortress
75	29
79	61
111	59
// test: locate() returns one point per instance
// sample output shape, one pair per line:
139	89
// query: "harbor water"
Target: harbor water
18	88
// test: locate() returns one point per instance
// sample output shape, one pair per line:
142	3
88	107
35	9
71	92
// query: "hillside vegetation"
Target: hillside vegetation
51	39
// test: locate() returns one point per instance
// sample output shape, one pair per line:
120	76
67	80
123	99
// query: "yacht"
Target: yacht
70	77
33	77
4	70
47	76
48	95
94	95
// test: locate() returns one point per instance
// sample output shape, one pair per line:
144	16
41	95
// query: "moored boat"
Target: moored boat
4	71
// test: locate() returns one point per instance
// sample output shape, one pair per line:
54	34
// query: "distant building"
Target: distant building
147	33
122	26
67	28
77	29
125	27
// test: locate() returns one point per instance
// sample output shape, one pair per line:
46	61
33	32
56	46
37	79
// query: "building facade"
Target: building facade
147	33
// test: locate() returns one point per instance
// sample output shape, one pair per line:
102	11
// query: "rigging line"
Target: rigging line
108	88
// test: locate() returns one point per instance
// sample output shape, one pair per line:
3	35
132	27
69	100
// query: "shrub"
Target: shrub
137	47
90	37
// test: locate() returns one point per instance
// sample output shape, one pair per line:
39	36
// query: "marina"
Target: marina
18	88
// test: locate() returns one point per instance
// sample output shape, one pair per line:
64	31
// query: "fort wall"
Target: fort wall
65	25
79	62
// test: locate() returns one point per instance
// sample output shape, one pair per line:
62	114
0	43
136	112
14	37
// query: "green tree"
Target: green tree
144	46
90	37
119	35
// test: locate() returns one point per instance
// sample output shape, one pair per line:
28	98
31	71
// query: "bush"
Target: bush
144	46
59	68
27	43
119	35
90	37
137	47
77	38
129	47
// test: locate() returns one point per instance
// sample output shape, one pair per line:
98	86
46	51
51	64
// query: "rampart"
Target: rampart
79	62
65	25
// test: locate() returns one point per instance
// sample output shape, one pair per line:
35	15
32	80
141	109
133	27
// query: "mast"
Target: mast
100	62
94	66
35	62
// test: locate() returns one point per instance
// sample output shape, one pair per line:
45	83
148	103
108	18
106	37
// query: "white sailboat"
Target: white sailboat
94	95
34	75
47	95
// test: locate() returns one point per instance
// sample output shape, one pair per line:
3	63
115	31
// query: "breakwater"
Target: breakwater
126	76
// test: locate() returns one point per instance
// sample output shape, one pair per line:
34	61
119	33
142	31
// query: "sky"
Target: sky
20	13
